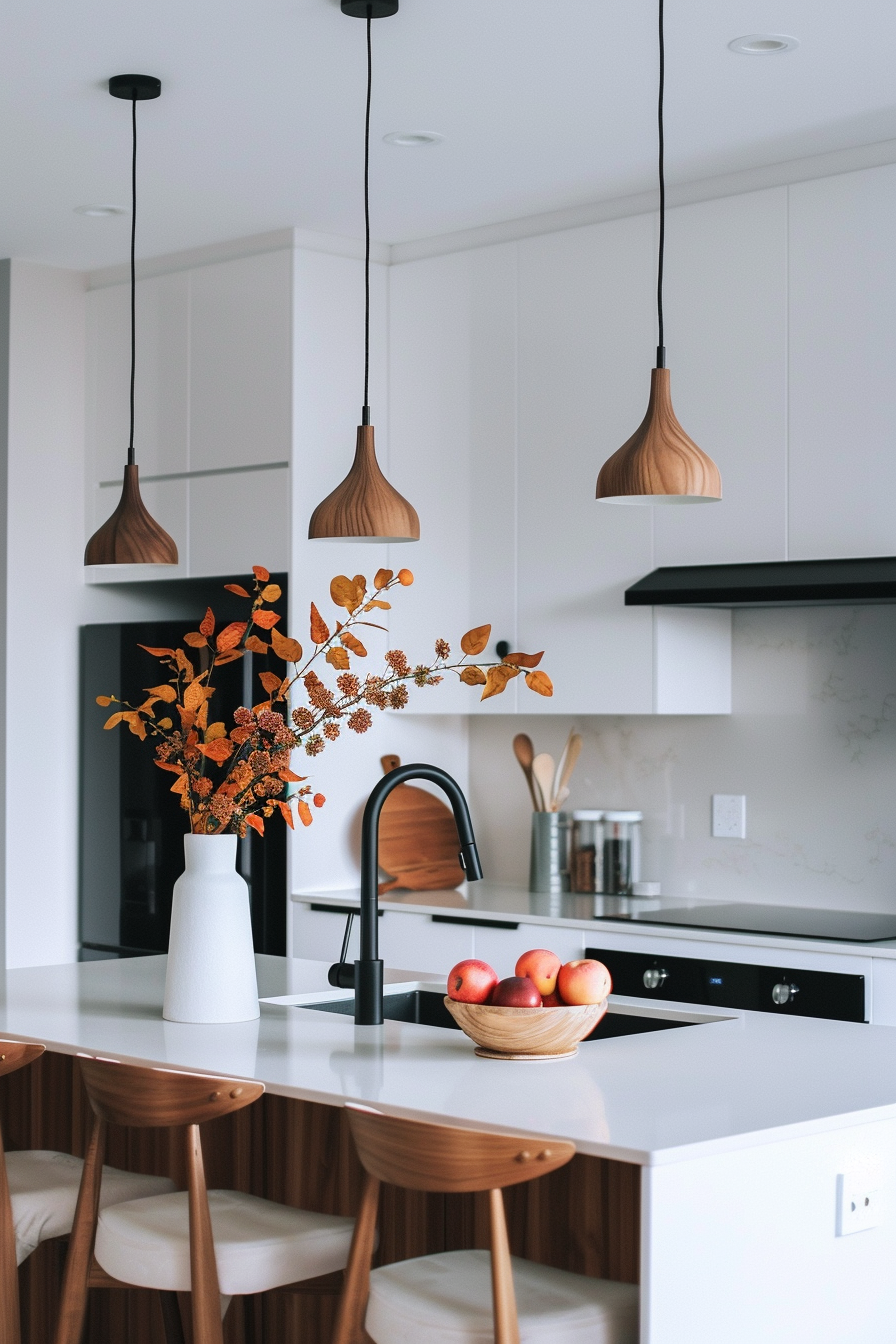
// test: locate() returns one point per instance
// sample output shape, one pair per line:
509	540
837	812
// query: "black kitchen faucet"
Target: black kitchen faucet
366	975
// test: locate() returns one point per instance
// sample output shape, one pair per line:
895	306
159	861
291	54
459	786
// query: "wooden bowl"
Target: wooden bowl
525	1033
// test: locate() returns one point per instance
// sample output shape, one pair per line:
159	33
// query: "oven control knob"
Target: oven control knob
654	979
784	993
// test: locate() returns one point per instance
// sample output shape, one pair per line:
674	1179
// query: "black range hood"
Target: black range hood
779	583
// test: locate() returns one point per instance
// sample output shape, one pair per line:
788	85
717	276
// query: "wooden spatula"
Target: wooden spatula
524	751
543	774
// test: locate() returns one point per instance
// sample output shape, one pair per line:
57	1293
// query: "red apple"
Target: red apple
541	967
471	981
517	991
584	981
551	1000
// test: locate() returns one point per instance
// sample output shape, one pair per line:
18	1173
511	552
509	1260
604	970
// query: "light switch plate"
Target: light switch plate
729	816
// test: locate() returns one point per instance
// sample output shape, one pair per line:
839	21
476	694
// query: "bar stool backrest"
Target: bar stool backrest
441	1159
13	1055
130	1094
444	1159
140	1097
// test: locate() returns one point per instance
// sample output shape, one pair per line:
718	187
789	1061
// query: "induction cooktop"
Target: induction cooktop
842	926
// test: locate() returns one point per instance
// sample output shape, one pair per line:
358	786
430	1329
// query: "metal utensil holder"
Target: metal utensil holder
549	855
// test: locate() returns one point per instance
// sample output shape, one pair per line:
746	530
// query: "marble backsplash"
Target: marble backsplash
811	743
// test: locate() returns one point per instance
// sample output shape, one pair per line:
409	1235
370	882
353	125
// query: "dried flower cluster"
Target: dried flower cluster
231	780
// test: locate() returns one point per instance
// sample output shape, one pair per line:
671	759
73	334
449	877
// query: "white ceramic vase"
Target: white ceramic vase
211	962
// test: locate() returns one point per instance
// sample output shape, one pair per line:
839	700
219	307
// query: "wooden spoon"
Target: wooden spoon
573	750
561	764
543	774
524	751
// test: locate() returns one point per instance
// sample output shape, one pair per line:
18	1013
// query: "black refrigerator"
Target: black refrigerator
131	825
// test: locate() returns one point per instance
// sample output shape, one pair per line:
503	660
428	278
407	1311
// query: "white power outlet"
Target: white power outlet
860	1203
729	816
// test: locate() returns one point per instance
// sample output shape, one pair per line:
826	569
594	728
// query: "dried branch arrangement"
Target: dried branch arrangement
232	779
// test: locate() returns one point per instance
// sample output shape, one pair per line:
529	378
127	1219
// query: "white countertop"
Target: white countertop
497	902
655	1098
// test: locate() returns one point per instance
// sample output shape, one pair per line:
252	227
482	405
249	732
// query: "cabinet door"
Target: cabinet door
241	362
842	354
726	334
452	452
585	352
317	934
416	943
502	947
238	520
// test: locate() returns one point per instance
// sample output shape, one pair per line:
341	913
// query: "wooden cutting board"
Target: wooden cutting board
419	845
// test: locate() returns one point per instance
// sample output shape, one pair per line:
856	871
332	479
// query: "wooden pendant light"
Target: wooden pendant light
132	536
659	464
365	506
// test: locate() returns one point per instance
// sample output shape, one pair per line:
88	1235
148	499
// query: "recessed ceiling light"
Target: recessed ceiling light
413	139
100	210
763	44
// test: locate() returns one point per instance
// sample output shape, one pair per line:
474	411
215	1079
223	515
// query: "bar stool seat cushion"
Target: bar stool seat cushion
259	1244
43	1187
447	1299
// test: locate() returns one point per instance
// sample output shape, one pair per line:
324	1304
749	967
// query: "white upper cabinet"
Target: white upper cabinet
213	410
842	356
241	362
515	370
726	347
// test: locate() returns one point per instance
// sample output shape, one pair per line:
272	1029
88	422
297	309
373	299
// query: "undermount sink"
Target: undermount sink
426	1008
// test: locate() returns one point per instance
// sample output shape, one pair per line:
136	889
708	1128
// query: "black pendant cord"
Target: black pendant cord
133	274
365	414
661	346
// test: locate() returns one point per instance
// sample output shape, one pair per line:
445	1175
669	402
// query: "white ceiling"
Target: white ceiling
544	104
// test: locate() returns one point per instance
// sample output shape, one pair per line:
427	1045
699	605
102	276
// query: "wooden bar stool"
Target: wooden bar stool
214	1244
38	1195
467	1297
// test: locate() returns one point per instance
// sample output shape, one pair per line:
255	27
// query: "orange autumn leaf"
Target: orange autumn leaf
114	720
157	653
338	658
290	650
304	811
405	578
270	681
262	704
184	665
196	694
344	592
473	676
214	731
195	640
256	645
166	693
230	657
181	784
260	573
320	631
218	750
236	588
290	776
383	576
207	624
187	717
253	819
524	659
474	641
375	602
165	723
540	682
271	592
104	700
319	800
136	725
497	679
353	644
266	619
230	636
286	810
170	765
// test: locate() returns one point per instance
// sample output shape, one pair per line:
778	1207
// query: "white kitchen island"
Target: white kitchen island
745	1128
